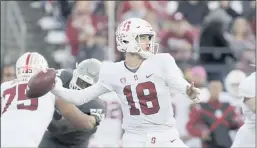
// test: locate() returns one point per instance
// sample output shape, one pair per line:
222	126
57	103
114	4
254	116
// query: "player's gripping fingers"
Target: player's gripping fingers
196	95
57	83
193	93
188	91
190	88
196	100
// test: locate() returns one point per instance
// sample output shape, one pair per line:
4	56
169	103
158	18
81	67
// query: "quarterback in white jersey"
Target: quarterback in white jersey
24	120
246	134
143	83
112	120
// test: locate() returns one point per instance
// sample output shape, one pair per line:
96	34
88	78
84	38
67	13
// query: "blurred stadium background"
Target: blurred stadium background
220	36
215	36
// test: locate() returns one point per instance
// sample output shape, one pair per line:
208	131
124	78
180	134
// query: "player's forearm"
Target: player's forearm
79	97
74	115
178	84
59	127
174	76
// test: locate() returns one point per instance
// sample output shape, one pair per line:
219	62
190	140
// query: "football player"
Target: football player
73	130
143	83
245	136
24	120
28	118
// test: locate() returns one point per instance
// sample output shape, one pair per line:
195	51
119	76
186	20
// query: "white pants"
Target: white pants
169	138
96	143
245	137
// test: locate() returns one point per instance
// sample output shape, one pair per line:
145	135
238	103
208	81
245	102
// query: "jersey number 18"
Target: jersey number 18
146	92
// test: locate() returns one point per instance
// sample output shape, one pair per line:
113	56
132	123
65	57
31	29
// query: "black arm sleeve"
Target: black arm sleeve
65	75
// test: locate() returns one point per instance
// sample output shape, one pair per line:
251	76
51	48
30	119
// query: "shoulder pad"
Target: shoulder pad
106	68
164	56
65	75
6	84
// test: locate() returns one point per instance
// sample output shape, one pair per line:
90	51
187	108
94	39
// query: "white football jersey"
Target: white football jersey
247	89
245	136
112	120
145	94
23	120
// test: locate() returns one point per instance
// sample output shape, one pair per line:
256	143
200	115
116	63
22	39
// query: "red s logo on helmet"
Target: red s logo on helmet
126	26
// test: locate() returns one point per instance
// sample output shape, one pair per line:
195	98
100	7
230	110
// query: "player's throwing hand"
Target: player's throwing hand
193	93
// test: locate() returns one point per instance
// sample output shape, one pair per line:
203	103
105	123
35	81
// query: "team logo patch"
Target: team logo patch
135	77
153	140
148	76
123	80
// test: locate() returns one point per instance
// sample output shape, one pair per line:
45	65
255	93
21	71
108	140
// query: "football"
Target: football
41	83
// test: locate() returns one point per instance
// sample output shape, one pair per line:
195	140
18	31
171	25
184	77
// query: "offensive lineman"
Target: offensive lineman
28	118
61	132
245	136
143	83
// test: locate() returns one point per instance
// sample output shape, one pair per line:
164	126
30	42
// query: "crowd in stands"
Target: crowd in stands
194	32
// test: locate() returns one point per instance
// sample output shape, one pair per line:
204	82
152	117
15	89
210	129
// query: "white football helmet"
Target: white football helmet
126	35
247	87
232	81
85	74
30	63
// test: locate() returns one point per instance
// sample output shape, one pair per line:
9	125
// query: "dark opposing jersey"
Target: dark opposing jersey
63	130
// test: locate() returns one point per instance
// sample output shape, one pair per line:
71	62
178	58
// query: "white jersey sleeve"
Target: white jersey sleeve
105	75
247	87
88	94
173	75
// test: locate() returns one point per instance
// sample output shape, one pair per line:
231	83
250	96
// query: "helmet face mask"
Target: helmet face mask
79	81
85	74
233	90
82	84
233	80
128	37
146	44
